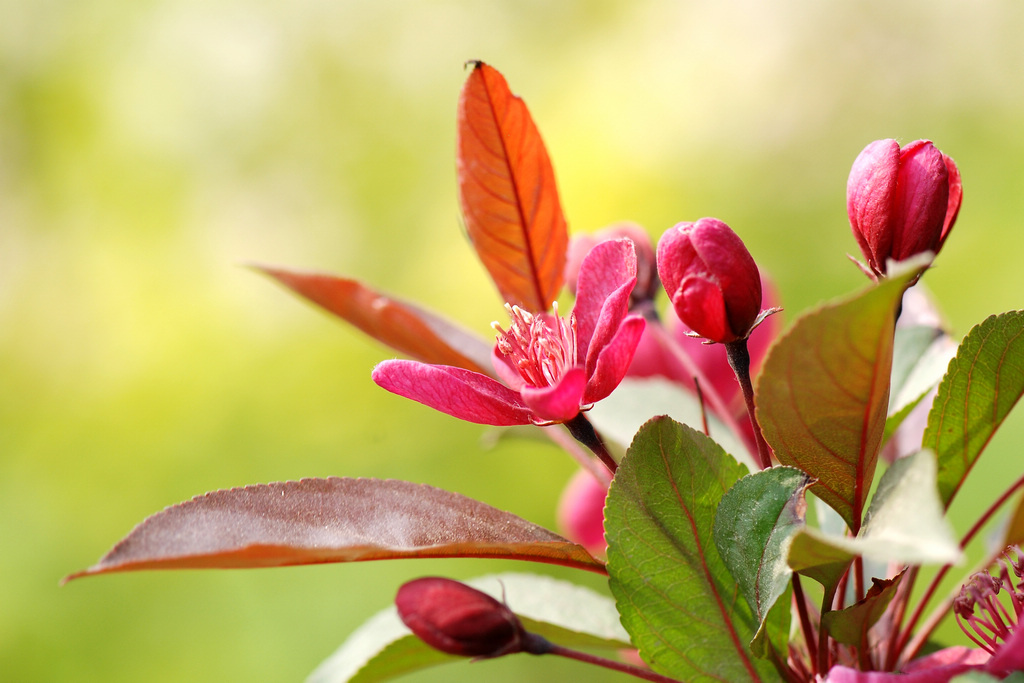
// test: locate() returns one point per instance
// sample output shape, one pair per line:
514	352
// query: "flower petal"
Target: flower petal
560	402
870	199
460	393
505	372
615	308
956	196
922	200
1010	656
940	667
607	267
614	359
699	302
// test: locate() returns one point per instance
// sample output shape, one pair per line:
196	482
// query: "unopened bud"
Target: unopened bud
901	202
711	279
459	620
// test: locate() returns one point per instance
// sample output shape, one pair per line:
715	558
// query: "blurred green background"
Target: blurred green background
149	149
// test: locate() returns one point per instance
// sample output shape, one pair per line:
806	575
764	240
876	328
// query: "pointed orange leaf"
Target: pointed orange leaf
508	194
313	521
405	327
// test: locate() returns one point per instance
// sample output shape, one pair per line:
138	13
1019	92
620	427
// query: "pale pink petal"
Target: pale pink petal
558	403
613	361
607	267
581	512
460	393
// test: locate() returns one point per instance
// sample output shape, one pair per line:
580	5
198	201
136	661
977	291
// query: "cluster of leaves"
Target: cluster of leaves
704	558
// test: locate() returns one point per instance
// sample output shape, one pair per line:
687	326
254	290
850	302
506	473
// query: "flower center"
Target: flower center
540	348
994	623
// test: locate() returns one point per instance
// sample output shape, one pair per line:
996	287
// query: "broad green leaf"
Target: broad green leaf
851	625
982	385
564	613
331	520
637	400
405	327
920	356
753	527
905	524
674	593
823	394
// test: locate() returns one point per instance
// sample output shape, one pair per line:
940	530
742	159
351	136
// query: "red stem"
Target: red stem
805	620
937	616
739	360
639	672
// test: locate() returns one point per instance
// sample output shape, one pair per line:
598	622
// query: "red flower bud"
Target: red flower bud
458	620
901	202
711	279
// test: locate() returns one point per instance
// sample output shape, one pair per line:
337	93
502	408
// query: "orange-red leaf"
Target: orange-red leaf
315	521
405	327
508	194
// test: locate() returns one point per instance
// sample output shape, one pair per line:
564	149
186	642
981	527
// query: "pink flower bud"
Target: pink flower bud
581	512
458	620
646	276
901	202
711	279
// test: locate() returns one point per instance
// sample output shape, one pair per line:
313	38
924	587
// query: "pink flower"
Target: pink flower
711	279
581	512
984	617
901	202
553	367
459	620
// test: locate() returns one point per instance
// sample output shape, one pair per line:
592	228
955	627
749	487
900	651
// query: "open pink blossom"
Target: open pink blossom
991	621
553	367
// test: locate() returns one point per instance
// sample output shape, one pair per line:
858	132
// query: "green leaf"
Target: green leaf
905	524
983	383
313	521
850	625
823	394
674	593
754	525
564	613
636	400
921	354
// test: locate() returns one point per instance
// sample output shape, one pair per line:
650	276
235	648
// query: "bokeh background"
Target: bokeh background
150	149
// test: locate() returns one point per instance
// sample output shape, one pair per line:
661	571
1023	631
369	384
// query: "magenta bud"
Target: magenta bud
711	279
459	620
901	202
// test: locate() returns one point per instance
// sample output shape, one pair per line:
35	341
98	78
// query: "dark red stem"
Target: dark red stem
584	432
940	612
639	672
739	360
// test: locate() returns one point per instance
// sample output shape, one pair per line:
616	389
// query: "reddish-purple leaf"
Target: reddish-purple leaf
404	327
314	521
823	393
507	190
